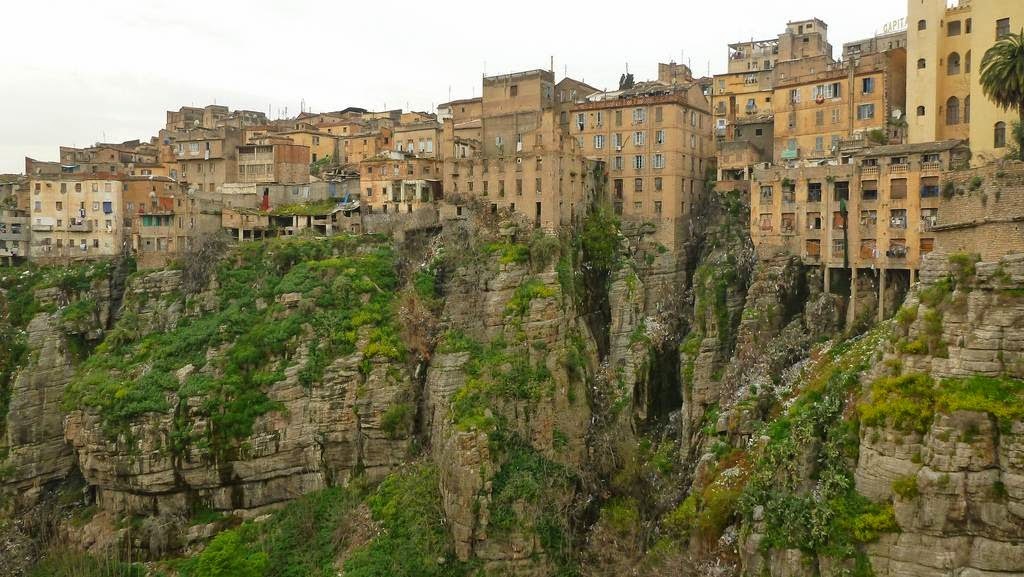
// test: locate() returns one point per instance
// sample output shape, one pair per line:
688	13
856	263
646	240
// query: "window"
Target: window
927	245
865	111
639	115
599	141
953	64
638	206
39	206
580	120
967	110
617	140
1000	135
952	111
638	185
920	110
898	218
835	116
600	118
813	192
638	161
825	91
868	85
1002	28
921	64
930	187
898	188
513	91
539	185
659	137
617	187
519	187
657	114
794	96
617	163
657	207
819	117
842	191
765	222
486	187
766	193
819	144
639	138
869	190
618	118
838	221
922	24
78	186
659	161
63	187
814	221
657	184
953	28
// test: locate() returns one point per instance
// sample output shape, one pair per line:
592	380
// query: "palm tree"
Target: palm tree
1002	78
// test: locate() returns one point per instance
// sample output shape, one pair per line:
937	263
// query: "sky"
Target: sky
73	73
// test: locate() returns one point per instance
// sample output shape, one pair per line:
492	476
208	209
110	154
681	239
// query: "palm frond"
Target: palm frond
1002	72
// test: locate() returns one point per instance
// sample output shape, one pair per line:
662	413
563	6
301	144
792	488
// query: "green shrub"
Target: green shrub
975	183
227	556
906	487
904	402
396	422
68	563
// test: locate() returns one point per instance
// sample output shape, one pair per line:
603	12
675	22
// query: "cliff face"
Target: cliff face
590	404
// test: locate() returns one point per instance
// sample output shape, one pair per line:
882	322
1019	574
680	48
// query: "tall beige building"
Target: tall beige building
655	138
75	216
523	161
945	46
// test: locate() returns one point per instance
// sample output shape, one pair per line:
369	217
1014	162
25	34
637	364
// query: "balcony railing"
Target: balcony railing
898	168
931	167
37	227
85	226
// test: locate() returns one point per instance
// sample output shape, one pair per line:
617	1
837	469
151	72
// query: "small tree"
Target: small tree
1002	78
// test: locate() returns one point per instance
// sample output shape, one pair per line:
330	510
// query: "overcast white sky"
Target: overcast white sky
77	72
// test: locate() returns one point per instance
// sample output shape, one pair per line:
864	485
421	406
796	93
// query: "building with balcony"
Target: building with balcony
853	100
523	161
945	46
14	235
872	216
76	217
399	182
272	162
656	141
205	159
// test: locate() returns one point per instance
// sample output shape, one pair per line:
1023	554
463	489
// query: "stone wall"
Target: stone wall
985	214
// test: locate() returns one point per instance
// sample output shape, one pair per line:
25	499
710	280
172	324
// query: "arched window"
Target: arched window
952	111
922	24
953	64
920	110
921	64
967	62
967	109
1000	136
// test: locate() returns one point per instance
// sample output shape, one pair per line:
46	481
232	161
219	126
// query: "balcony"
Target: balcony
931	167
39	227
898	168
870	170
84	226
790	154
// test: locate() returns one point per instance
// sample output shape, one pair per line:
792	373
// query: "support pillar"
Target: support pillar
828	280
881	294
241	234
851	308
913	276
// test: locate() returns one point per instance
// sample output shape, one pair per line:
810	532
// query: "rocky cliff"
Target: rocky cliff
487	399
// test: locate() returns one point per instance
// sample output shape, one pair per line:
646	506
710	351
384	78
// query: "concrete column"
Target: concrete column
913	276
241	234
851	308
881	294
828	280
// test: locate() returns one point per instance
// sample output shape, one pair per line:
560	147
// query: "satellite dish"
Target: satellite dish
897	113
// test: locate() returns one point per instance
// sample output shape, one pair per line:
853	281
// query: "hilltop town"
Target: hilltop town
766	323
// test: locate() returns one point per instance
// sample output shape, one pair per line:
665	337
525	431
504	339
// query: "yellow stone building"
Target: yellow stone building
945	46
656	141
75	216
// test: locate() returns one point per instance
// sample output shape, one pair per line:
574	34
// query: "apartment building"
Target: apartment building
874	213
320	145
655	139
207	158
272	161
853	100
157	218
359	146
945	47
76	216
465	115
397	181
14	234
523	161
122	158
421	139
742	100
